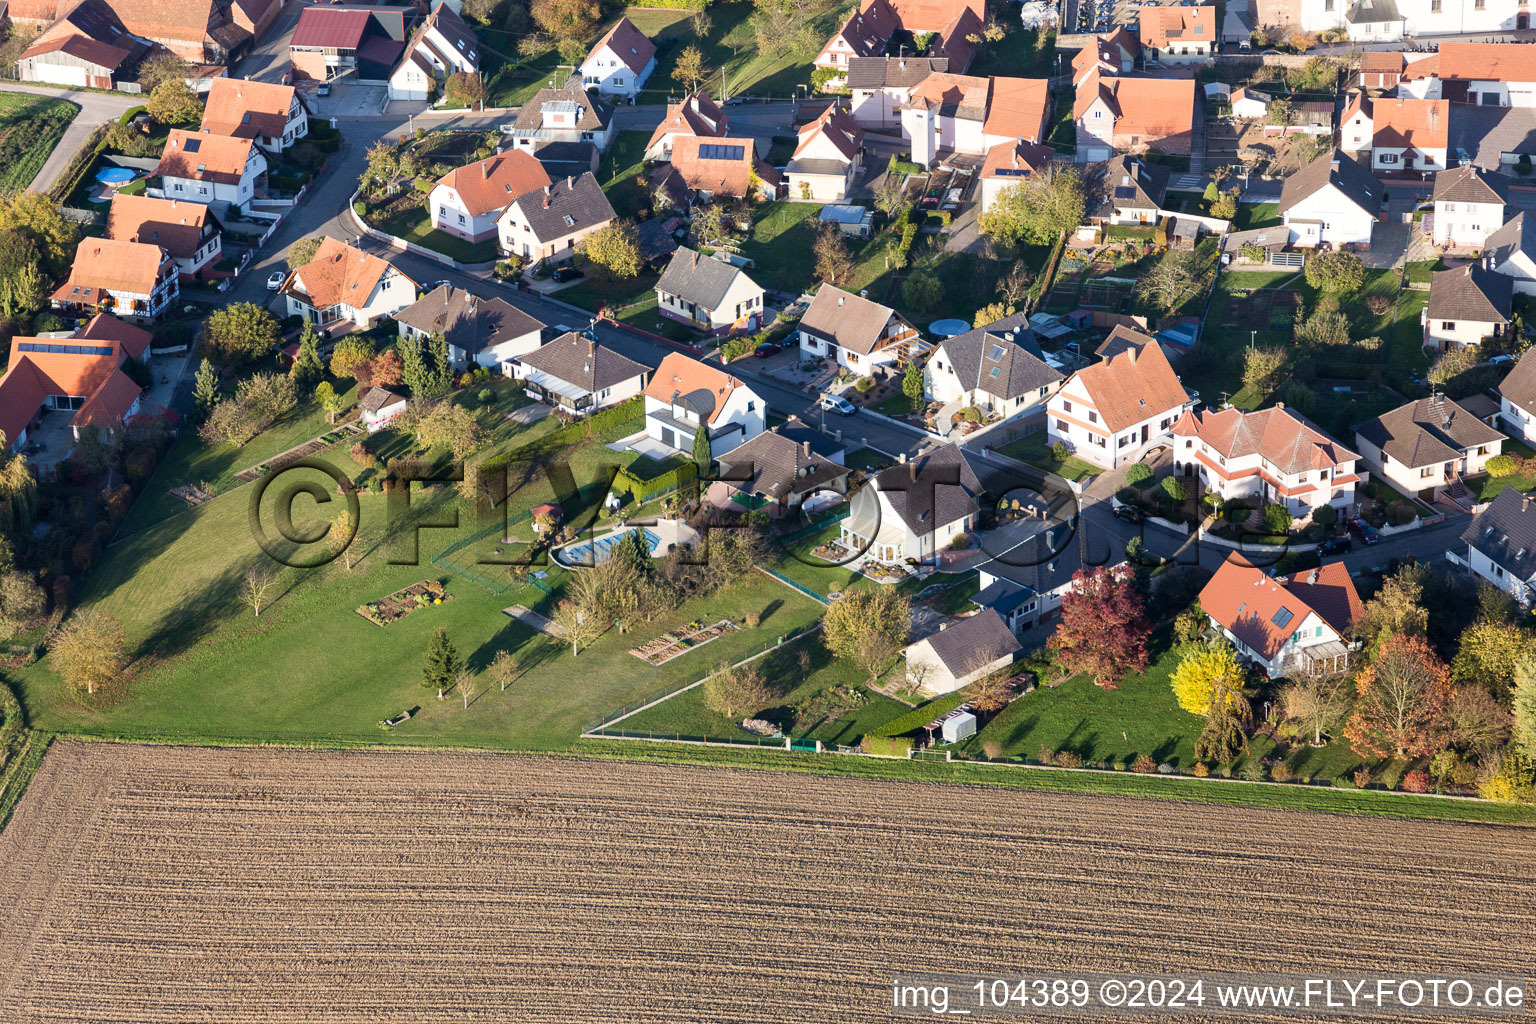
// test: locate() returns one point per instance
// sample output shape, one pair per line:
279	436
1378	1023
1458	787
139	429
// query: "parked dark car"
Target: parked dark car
564	274
765	350
1130	513
1364	530
1335	546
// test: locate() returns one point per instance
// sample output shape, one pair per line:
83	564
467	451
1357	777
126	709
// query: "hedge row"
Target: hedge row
627	417
642	489
920	715
889	746
79	163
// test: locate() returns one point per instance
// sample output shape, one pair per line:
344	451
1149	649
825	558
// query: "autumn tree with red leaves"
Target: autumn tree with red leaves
1103	628
1403	695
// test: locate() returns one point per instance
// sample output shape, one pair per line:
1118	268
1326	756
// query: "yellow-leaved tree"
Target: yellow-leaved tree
1201	672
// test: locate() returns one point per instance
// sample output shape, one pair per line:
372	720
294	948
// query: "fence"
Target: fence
791	583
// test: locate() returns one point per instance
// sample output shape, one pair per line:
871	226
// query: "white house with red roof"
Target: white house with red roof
1296	625
968	115
468	201
343	284
696	115
1009	164
685	395
80	373
134	279
270	114
829	152
1178	35
620	62
1483	74
216	169
1108	413
1131	114
873	29
1271	454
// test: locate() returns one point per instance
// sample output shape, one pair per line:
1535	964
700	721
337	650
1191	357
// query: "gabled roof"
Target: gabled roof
932	490
1148	107
1276	435
1427	432
110	265
838	127
1363	12
869	28
576	359
454	30
1381	62
780	466
700	279
1122	338
133	341
1486	62
246	109
593	115
1133	386
109	403
1015	161
339	274
376	399
1162	25
1505	531
697	114
1264	613
1519	385
322	28
1402	124
1134	183
1471	184
570	205
469	323
1017	108
1002	358
215	158
976	640
850	321
81	47
1470	293
933	15
1517	235
628	44
41	367
495	182
720	166
1357	184
703	388
174	225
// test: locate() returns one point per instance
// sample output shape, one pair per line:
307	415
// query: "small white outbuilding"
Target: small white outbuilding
958	725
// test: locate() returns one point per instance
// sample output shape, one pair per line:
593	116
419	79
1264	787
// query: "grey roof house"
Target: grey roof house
1133	192
708	293
565	114
1501	545
999	368
547	223
1466	305
1511	251
857	332
913	510
961	652
576	374
1427	445
784	468
1517	398
490	332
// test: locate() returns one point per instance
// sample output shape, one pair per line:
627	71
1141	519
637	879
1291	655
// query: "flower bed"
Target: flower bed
681	640
402	602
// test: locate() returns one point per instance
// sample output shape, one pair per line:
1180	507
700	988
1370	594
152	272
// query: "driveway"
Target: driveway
1389	246
348	100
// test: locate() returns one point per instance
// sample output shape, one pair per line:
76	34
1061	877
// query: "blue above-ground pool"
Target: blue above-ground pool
595	551
116	175
948	328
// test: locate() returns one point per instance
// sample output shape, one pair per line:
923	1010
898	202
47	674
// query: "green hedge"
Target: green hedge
921	715
285	182
890	746
643	489
627	417
131	113
940	217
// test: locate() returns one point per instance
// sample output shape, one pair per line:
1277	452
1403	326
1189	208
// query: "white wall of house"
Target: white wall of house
1448	334
1486	568
1072	418
410	83
743	407
1523	269
449	214
743	298
1516	421
926	670
1419	159
1312	632
878	108
1183	52
940	384
610	76
1417	479
1356	133
857	362
393	293
1466	224
207	253
1096	133
1328	215
1251	475
235	193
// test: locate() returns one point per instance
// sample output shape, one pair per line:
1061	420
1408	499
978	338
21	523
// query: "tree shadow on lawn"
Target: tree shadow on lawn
528	646
195	616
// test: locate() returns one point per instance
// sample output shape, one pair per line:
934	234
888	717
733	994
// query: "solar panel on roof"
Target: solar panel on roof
1125	193
1283	616
1012	172
193	145
718	152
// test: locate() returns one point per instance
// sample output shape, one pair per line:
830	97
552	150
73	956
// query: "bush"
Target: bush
486	396
1502	465
1277	518
1144	765
1416	781
960	542
1067	759
1138	475
1362	777
1200	770
1176	490
1282	772
1059	451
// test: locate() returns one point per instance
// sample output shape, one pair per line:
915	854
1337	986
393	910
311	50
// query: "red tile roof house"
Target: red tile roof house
187	232
685	394
703	168
1271	455
891	26
124	278
620	62
1178	35
1482	74
200	31
214	169
271	115
1132	114
343	286
363	41
1297	625
466	202
1109	412
967	115
1409	135
829	152
697	114
80	372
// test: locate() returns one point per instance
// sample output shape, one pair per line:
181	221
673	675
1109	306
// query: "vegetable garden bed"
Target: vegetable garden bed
681	640
402	602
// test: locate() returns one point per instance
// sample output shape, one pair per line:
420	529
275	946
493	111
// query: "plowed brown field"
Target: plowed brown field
178	885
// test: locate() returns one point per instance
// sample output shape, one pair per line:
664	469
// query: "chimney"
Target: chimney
485	169
1525	503
841	299
805	448
695	257
1333	165
1280	406
943	626
1130	354
863	293
546	192
912	471
570	182
591	347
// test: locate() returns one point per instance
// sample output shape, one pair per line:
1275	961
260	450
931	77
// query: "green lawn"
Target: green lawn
1021	53
1256	215
619	171
1419	271
414	224
30	127
1035	449
1486	488
634	300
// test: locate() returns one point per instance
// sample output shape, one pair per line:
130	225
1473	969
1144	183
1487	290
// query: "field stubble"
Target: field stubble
159	884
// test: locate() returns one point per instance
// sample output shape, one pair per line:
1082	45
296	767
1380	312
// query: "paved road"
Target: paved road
96	109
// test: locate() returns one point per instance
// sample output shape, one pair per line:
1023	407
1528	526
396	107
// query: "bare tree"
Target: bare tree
469	685
258	580
994	689
1314	704
577	626
1014	285
343	528
503	669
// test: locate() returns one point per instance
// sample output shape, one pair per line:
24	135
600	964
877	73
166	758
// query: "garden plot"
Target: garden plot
404	601
681	640
146	884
